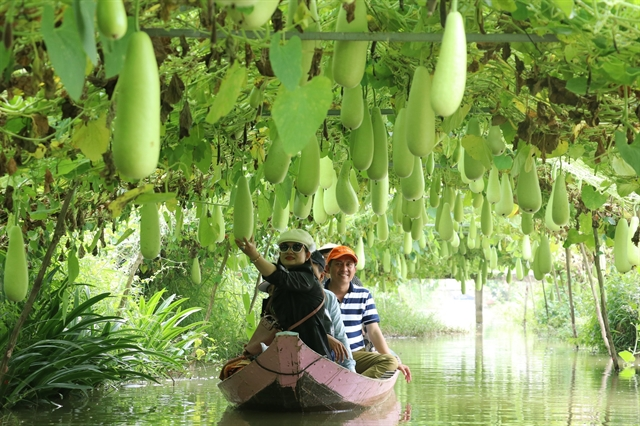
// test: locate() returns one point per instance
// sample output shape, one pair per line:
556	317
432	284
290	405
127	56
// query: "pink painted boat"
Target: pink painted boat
289	376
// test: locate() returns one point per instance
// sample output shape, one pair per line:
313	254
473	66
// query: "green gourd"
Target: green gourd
535	266
196	276
528	189
494	140
256	96
476	186
345	195
397	208
136	126
407	246
256	17
327	174
112	18
526	223
416	228
633	253
371	238
302	205
217	219
276	165
401	156
382	229
420	120
350	57
548	218
620	246
319	214
280	217
560	211
545	261
478	199
308	46
508	274
430	164
379	167
406	223
308	178
380	195
446	223
177	230
450	77
505	206
16	271
330	201
342	224
149	231
493	186
362	144
414	208
486	219
434	193
352	111
386	261
473	169
413	186
458	208
242	210
519	270
206	233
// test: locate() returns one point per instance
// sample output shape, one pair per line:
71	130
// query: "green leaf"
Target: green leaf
65	50
506	5
519	161
591	198
575	151
577	85
574	237
73	266
85	12
620	72
286	61
625	189
627	356
503	162
115	50
246	300
264	210
298	114
125	235
455	120
629	153
585	220
92	138
566	6
476	147
627	373
5	58
230	88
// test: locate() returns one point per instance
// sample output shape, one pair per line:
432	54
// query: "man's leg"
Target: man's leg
373	364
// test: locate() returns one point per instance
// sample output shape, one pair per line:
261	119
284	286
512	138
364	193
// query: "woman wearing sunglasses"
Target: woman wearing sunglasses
296	290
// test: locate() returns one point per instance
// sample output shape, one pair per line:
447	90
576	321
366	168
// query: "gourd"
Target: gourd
362	144
16	271
450	77
302	205
242	210
149	231
379	167
560	211
505	206
217	221
402	157
345	195
256	18
277	162
380	195
319	214
526	223
330	201
528	189
352	110
327	174
620	246
136	127
413	186
196	276
350	57
494	140
486	219
382	229
112	18
493	186
446	223
308	178
280	217
420	120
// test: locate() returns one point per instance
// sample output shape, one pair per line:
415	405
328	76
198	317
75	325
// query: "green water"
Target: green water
503	378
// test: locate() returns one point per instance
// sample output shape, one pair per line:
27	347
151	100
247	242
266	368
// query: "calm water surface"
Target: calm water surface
502	378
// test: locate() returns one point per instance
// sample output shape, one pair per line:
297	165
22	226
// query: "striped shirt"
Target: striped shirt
358	309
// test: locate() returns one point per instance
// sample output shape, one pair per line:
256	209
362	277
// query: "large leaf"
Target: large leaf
65	50
566	6
85	12
286	61
299	113
629	153
115	50
591	198
230	88
574	237
476	147
73	266
92	138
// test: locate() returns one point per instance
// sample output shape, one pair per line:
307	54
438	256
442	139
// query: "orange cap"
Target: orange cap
341	251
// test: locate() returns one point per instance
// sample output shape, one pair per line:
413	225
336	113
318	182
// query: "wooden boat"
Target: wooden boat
289	376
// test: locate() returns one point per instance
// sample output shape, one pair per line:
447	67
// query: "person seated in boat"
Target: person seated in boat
296	290
332	320
358	309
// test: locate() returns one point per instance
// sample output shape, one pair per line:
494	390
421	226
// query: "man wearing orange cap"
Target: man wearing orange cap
359	309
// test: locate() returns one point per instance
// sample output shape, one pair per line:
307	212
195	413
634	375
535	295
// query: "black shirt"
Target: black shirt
296	294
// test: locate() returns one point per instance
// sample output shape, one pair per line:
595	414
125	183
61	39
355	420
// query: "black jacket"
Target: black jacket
297	293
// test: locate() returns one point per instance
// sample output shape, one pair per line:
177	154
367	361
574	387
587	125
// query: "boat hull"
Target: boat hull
289	376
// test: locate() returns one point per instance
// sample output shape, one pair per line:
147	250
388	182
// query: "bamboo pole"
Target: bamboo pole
212	297
37	284
603	301
567	252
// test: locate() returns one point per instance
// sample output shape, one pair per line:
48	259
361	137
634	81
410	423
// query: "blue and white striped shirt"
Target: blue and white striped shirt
357	309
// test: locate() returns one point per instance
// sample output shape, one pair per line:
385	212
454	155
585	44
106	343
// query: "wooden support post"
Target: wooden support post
567	252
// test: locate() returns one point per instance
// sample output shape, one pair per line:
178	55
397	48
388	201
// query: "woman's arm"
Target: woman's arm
263	266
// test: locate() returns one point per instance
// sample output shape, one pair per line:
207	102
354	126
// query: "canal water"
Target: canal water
497	378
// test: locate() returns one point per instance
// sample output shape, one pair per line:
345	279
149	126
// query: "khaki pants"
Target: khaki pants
373	364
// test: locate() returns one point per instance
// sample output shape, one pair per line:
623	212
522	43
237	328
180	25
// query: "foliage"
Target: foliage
68	347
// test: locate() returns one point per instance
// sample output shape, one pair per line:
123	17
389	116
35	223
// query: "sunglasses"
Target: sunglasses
295	247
